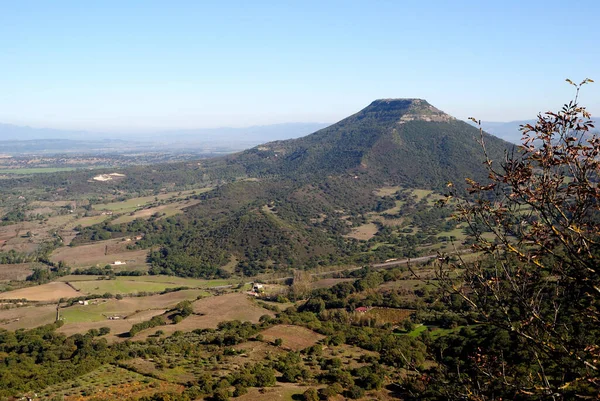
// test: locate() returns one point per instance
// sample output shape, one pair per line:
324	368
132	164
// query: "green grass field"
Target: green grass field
168	211
87	313
136	284
99	309
179	281
417	331
135	203
86	221
119	286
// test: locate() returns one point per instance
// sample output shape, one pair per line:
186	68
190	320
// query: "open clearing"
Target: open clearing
135	284
330	282
390	315
16	272
27	317
364	232
15	236
101	309
117	327
176	281
99	254
387	191
254	351
119	286
45	292
213	310
164	210
133	204
130	310
294	338
81	318
86	221
283	392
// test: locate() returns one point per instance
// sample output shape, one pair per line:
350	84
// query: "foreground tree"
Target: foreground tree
534	300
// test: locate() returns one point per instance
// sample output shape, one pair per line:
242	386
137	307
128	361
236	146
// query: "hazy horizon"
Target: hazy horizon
148	67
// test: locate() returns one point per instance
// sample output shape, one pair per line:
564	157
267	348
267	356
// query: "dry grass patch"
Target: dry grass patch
27	317
213	310
144	201
387	222
86	221
16	272
390	315
100	253
282	392
294	338
130	310
387	191
364	232
118	328
45	292
254	351
349	355
168	210
330	282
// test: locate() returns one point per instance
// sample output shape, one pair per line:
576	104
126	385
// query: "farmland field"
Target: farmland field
135	203
119	286
16	271
167	210
86	221
27	317
213	310
96	312
135	284
99	254
81	318
171	280
45	292
130	310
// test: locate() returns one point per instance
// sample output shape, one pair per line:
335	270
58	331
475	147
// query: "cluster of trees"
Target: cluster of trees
154	322
175	315
34	359
536	294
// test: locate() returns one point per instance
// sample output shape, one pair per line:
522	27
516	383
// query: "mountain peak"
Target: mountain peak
404	110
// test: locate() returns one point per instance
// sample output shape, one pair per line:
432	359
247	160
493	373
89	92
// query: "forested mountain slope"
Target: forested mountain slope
400	141
292	203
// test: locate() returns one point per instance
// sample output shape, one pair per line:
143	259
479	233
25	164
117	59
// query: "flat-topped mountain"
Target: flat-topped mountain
406	110
400	141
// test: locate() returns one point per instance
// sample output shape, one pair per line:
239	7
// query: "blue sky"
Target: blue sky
147	65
